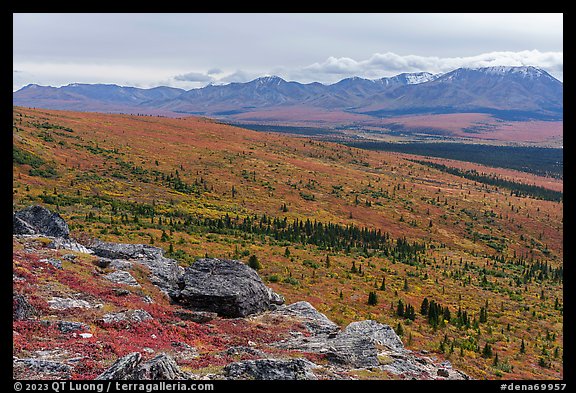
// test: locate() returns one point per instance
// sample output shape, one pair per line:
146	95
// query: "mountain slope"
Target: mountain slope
525	90
328	223
516	92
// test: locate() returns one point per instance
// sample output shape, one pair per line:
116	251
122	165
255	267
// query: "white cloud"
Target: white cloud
239	76
328	71
194	77
389	64
213	71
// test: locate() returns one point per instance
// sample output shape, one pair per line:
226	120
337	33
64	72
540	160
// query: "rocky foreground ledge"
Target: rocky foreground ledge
203	293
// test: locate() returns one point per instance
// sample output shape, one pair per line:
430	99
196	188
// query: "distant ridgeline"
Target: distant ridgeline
518	189
537	160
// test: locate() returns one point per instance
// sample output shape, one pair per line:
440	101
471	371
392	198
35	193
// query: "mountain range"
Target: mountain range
515	93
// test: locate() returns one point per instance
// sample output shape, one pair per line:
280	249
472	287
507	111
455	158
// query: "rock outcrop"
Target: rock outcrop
227	287
59	243
129	316
271	369
59	303
312	319
46	367
165	272
37	220
130	367
205	290
159	368
124	368
71	326
122	277
21	309
362	345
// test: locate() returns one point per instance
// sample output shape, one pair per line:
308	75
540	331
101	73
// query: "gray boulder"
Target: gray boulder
37	220
162	367
227	287
315	321
59	243
353	351
21	227
164	272
126	251
122	277
379	333
123	369
43	366
59	303
21	309
271	369
129	367
57	263
130	316
70	326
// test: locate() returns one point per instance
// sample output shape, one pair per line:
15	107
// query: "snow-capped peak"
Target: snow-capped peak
419	77
524	71
270	79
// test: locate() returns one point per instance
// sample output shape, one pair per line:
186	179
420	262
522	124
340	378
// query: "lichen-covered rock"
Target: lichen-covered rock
227	287
381	334
40	221
123	369
21	309
164	272
57	263
59	243
43	366
59	303
122	277
71	326
21	227
162	367
129	367
271	369
130	316
126	251
315	321
354	351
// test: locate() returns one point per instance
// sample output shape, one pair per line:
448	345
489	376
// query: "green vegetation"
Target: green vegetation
517	189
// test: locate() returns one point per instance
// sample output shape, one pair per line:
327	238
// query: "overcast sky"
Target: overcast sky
192	50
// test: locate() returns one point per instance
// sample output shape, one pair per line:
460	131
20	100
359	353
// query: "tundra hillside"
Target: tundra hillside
463	267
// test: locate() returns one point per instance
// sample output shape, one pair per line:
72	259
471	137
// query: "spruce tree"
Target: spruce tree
400	309
399	329
327	263
383	285
523	347
254	263
372	298
286	252
353	269
487	351
424	307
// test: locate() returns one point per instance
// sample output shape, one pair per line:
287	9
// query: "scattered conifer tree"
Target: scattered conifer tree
372	298
254	263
